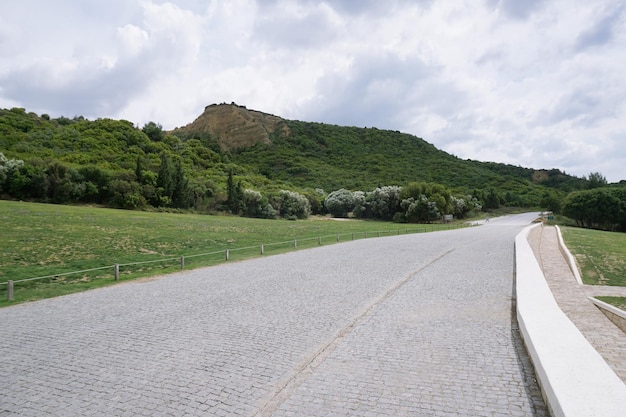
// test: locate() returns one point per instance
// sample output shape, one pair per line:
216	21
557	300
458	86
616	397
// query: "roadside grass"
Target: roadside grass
619	302
600	255
54	240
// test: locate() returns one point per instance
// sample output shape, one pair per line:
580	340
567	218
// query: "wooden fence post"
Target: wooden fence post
117	272
262	249
227	254
10	290
295	244
319	241
182	262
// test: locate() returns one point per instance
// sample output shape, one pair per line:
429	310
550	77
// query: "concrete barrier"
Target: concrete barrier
568	256
574	378
617	316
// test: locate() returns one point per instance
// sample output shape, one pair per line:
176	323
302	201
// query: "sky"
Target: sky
535	83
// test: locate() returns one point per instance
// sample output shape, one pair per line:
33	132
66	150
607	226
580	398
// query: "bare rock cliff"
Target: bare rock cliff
235	127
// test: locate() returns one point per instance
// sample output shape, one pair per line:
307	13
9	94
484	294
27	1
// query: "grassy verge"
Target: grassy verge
53	240
619	302
601	256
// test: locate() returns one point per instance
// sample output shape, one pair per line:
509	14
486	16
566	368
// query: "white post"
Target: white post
10	290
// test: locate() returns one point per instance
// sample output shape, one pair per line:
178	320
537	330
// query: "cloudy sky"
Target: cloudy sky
536	83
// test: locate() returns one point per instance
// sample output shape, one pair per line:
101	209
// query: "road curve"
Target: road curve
407	325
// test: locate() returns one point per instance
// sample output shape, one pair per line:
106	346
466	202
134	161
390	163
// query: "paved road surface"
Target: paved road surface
407	325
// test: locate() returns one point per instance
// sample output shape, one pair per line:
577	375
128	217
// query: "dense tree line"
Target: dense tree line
114	163
598	208
414	203
170	187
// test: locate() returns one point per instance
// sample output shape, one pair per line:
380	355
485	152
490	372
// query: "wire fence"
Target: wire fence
211	258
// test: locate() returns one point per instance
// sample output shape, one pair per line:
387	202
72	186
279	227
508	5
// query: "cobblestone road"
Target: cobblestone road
408	325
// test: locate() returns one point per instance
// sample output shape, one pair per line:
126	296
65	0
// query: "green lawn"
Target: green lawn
619	302
44	239
601	256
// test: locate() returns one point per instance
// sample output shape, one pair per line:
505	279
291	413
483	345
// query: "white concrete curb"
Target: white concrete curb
617	316
608	307
575	379
568	256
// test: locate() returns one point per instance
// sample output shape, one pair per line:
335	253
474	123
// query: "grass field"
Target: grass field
601	256
53	240
619	302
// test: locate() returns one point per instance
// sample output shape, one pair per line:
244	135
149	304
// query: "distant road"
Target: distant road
406	325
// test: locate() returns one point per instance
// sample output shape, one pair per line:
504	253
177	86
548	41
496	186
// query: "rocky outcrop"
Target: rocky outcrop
235	127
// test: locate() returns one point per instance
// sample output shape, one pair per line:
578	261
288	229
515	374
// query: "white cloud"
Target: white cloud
536	83
132	39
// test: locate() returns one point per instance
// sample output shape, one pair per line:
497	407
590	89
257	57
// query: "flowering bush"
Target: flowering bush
339	203
294	205
7	168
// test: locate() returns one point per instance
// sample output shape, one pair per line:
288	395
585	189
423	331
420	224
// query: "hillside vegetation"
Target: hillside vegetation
232	157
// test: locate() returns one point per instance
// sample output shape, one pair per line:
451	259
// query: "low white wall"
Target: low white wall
568	256
575	380
617	316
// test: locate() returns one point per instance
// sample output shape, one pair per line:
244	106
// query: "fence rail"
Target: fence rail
225	253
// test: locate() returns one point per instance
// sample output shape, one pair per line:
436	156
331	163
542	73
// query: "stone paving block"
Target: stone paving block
404	325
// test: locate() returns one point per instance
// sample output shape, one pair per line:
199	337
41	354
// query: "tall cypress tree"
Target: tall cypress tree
234	197
165	178
138	170
180	193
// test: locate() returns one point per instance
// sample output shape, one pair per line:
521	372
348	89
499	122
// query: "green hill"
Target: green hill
316	155
114	163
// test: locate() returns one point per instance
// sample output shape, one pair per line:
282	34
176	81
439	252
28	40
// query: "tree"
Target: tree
596	180
384	202
59	183
339	203
492	200
234	192
29	181
294	205
165	181
139	170
153	131
601	208
551	202
424	202
7	168
180	193
316	200
419	210
126	195
253	203
360	208
97	181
